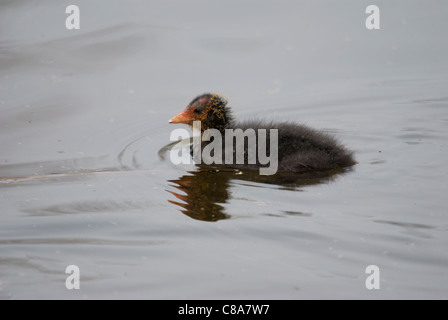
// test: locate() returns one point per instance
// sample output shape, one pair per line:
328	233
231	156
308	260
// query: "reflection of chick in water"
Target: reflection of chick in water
202	194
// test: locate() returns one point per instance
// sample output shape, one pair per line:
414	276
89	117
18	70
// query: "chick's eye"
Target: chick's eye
197	111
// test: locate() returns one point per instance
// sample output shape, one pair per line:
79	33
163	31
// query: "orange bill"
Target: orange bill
186	116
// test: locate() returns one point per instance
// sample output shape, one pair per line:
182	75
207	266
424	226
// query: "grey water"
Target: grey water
85	180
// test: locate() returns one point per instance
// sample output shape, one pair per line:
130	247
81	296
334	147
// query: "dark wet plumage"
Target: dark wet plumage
300	148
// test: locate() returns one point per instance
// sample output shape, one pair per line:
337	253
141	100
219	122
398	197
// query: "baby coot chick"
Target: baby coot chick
300	148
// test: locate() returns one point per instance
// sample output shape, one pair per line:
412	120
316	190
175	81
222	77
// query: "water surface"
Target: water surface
84	114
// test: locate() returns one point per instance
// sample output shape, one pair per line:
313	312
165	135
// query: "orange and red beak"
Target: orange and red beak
187	116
